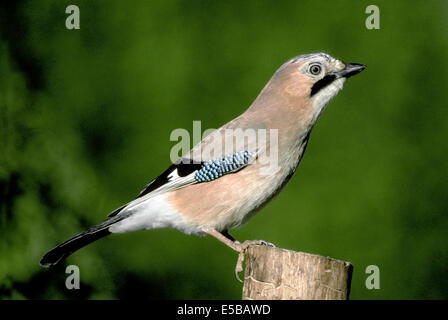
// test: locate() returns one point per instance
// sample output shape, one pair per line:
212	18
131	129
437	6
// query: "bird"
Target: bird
235	171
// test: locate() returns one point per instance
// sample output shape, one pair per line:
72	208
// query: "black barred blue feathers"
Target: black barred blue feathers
214	169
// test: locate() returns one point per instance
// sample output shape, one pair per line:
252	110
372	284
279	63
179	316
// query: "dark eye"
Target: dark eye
315	69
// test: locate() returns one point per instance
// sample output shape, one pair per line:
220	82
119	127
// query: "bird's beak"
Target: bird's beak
350	70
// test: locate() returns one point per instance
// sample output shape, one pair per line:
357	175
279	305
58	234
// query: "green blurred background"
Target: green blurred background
86	115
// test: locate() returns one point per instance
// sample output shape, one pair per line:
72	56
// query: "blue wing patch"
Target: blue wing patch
214	169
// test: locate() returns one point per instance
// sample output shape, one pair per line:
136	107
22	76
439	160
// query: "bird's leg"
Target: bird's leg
226	234
228	240
225	238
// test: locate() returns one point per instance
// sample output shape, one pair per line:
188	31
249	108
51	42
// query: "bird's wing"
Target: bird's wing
207	161
186	172
178	175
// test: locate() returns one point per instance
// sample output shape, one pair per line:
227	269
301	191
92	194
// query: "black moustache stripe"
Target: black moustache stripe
322	83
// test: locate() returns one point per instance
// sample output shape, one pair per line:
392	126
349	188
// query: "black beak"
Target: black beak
350	70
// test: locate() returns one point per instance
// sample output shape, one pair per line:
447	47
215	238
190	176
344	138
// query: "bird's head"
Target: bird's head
308	82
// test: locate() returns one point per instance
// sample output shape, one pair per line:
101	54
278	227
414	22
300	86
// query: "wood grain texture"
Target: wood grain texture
280	274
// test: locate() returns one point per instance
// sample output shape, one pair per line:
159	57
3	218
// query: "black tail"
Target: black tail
77	242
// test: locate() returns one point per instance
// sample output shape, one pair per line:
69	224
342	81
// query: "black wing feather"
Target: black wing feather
183	168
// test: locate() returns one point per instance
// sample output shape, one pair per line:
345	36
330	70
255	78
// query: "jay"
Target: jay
234	172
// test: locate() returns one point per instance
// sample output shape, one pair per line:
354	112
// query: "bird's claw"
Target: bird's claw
241	248
239	266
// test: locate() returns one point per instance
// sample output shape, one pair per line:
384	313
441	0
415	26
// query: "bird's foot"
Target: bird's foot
241	248
227	239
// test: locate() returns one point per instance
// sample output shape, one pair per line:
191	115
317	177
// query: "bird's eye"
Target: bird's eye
315	69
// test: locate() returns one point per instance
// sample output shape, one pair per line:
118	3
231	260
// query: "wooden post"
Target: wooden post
279	274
